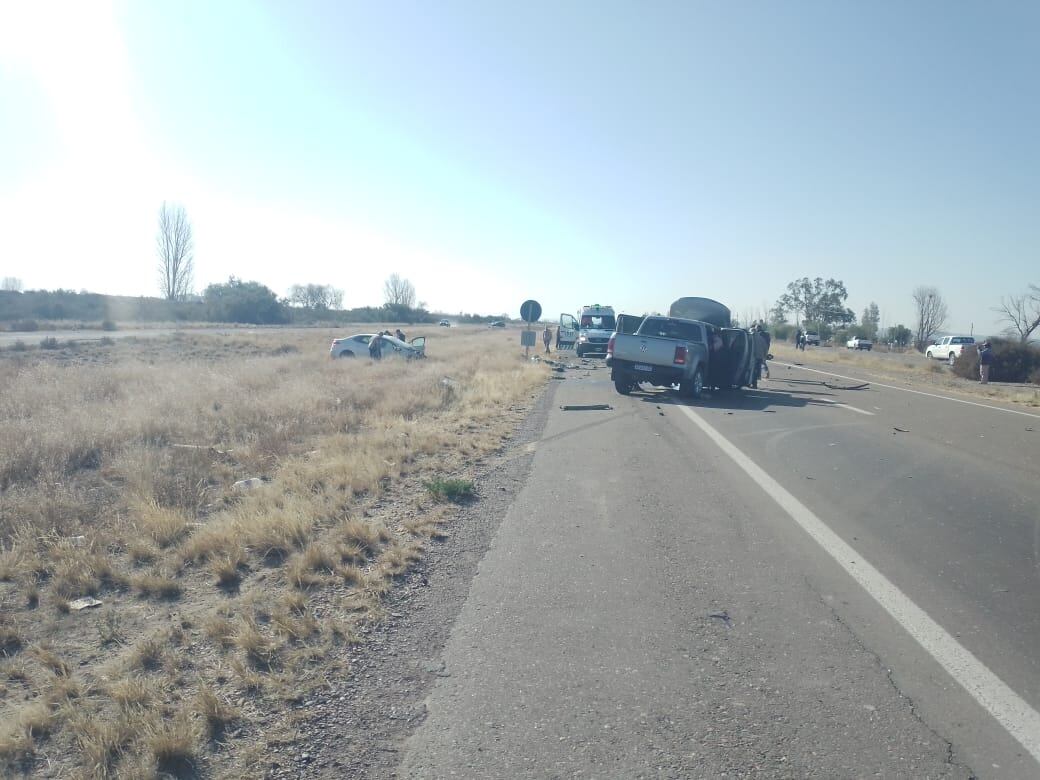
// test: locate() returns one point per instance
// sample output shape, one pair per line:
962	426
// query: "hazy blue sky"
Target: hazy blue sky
575	152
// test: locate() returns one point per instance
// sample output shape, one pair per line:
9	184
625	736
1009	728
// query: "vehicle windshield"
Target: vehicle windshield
671	329
598	321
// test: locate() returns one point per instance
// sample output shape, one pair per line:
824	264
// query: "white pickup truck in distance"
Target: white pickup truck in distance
859	343
950	347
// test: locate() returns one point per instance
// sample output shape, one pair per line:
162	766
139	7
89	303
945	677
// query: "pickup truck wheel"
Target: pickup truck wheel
623	385
953	358
696	385
928	354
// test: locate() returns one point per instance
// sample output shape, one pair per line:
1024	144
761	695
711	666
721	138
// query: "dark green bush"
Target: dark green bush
25	326
1013	362
49	343
108	325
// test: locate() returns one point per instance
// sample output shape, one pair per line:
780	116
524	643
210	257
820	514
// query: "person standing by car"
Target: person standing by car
986	358
399	334
758	341
375	347
769	343
547	337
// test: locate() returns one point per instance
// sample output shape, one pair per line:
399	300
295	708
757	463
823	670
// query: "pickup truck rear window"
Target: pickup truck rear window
671	329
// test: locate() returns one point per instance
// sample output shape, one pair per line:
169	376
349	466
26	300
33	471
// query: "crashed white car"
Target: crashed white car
357	346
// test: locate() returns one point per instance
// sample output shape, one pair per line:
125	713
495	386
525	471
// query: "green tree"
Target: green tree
239	301
870	320
900	335
819	302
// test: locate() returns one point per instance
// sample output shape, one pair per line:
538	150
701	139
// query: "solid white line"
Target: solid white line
1006	706
845	406
918	392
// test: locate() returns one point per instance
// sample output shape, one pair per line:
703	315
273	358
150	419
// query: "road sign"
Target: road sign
530	311
527	338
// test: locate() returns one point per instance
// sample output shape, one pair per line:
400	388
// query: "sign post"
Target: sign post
530	311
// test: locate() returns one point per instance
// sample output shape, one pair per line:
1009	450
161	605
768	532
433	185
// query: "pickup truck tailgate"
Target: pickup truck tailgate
646	350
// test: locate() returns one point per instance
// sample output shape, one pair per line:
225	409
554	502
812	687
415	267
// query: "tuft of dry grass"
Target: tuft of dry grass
228	567
132	693
173	745
216	712
311	567
157	586
163	525
101	742
259	650
11	641
50	661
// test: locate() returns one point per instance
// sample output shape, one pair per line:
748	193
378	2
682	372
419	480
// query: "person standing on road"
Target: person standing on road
758	341
769	343
399	334
546	338
986	358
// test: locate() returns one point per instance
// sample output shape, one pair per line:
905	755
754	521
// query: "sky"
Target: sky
604	152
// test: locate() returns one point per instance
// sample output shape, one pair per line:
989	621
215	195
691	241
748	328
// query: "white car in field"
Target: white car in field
859	343
357	346
950	347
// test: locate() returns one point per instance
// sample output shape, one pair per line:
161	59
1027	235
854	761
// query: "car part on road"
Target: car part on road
587	407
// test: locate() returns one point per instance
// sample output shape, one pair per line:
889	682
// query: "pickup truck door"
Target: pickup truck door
568	329
741	355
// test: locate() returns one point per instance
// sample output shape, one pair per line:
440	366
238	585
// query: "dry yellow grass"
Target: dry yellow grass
117	481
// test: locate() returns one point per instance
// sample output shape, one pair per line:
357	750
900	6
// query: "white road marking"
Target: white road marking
844	406
993	694
917	392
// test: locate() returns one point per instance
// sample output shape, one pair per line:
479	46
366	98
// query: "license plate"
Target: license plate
642	367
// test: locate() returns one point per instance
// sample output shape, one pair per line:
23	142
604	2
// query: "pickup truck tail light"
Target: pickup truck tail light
680	356
610	346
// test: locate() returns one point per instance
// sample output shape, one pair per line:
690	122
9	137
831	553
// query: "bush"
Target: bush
49	343
1035	377
19	346
1013	362
108	325
25	326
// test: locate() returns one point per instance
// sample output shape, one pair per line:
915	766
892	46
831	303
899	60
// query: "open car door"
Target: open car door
740	356
628	323
420	345
568	332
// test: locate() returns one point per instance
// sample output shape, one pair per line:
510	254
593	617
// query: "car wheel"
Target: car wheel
928	354
623	385
953	358
345	354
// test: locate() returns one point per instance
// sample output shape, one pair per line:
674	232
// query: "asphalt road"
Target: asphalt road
799	581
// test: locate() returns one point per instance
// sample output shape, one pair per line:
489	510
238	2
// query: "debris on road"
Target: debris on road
901	430
724	617
84	603
587	407
830	386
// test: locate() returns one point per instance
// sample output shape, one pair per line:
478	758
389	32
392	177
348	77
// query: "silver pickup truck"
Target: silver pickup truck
690	352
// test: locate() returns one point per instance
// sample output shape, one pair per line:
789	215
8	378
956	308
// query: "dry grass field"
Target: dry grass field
910	367
222	607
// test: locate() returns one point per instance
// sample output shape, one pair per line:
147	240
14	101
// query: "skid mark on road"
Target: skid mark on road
916	392
1008	708
839	404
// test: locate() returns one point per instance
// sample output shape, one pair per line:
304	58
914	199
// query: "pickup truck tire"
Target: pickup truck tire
624	385
696	385
953	358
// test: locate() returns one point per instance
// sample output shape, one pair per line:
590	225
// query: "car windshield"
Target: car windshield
598	321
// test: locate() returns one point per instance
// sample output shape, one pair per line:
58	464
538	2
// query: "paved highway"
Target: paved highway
799	581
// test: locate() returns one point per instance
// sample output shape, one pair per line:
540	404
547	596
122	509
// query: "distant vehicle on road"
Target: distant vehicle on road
444	324
859	343
950	347
497	324
357	346
812	338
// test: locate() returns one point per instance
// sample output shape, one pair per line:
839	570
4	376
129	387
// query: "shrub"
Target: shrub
49	343
108	325
1013	362
19	346
455	490
25	326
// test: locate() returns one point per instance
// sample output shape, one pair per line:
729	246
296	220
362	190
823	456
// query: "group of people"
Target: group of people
375	344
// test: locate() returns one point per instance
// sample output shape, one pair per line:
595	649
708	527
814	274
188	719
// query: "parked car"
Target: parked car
357	346
859	343
444	324
812	338
497	324
950	347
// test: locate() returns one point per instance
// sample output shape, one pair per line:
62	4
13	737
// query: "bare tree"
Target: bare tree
1021	313
931	314
315	296
399	292
176	249
11	284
